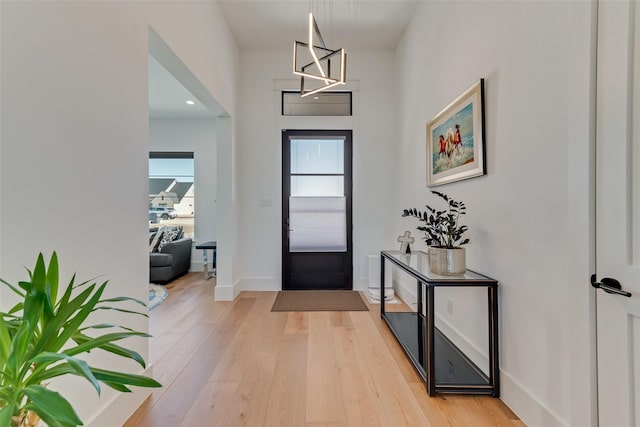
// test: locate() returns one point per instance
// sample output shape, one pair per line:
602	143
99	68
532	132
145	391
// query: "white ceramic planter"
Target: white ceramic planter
447	261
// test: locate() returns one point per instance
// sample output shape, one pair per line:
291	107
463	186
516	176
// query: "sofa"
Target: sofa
169	257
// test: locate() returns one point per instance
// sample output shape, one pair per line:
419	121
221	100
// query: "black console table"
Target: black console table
443	367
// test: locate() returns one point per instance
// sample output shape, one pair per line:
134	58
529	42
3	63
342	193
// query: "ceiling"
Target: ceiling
269	24
168	97
348	24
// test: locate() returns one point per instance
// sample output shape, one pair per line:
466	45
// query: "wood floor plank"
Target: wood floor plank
215	398
362	405
428	405
297	323
170	367
407	369
172	403
259	364
324	395
238	364
286	405
162	345
390	383
340	318
469	410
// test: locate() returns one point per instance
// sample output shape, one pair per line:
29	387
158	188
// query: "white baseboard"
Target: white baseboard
260	284
227	293
405	292
121	406
529	409
520	400
477	355
196	266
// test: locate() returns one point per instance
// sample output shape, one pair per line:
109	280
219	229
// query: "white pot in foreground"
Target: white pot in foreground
447	261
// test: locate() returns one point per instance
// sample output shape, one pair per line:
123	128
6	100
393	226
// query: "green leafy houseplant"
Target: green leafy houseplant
41	337
442	227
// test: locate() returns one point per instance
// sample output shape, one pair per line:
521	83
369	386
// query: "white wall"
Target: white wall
522	214
198	136
75	121
259	141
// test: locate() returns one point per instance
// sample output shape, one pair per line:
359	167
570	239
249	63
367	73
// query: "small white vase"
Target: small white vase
447	261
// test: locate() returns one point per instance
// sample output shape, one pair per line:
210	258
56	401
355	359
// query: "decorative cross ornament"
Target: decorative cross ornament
405	239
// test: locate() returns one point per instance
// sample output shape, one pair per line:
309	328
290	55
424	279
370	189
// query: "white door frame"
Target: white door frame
581	203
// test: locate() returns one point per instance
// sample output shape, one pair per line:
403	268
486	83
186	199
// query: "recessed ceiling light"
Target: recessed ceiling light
316	97
190	102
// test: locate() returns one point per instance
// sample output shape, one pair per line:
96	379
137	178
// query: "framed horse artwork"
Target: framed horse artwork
455	139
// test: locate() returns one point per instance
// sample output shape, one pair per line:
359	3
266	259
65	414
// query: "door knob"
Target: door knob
609	285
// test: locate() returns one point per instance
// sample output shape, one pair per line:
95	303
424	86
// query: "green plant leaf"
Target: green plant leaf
50	341
106	326
55	371
79	366
67	293
120	299
53	278
122	310
16	308
104	342
54	409
34	332
118	387
13	288
122	378
25	285
74	323
39	277
5	393
5	415
19	347
5	341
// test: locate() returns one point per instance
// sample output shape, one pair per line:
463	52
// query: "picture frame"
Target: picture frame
456	139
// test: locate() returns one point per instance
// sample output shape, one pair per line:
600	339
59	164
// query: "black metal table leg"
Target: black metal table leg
430	341
494	373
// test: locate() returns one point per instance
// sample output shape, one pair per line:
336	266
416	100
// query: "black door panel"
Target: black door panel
316	209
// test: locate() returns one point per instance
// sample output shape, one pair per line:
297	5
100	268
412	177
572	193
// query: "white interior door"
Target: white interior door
618	211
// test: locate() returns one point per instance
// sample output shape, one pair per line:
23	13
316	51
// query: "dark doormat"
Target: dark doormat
319	301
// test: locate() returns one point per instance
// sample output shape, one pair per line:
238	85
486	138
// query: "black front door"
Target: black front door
316	209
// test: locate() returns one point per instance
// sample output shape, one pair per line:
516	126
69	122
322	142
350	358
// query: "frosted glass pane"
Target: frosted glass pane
317	156
317	186
317	224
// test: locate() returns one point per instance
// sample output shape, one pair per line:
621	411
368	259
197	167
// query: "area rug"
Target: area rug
319	301
157	294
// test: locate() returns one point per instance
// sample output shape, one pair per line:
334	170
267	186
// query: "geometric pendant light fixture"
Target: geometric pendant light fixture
319	67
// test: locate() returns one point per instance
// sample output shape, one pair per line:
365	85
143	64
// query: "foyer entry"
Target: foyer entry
316	209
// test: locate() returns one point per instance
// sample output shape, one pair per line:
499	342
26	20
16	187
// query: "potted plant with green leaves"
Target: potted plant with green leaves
444	235
42	337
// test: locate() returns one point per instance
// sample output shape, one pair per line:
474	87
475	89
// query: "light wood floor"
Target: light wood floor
238	364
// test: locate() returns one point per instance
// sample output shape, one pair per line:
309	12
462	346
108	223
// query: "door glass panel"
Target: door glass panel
317	186
317	224
311	156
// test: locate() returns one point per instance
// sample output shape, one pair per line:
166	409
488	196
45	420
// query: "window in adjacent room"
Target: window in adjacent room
171	190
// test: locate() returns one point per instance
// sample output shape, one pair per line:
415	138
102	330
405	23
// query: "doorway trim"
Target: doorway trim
226	289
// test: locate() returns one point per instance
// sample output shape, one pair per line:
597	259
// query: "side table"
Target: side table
208	246
443	366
